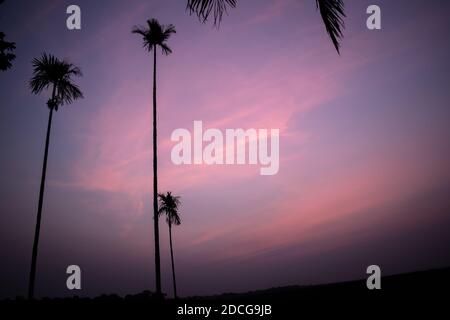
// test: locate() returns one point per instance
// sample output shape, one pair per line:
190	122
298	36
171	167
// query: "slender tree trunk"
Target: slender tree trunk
173	265
155	185
39	213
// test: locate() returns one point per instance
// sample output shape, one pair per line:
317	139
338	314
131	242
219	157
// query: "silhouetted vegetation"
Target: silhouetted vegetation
52	73
286	302
155	35
6	51
6	55
331	11
169	207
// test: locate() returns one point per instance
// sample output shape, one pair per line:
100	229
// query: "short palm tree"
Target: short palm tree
332	12
155	35
6	53
169	206
52	73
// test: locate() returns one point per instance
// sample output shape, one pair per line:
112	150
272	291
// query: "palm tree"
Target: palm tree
169	206
155	35
50	72
332	12
6	55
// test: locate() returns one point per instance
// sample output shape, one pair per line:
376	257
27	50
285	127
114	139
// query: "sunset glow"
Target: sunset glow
363	146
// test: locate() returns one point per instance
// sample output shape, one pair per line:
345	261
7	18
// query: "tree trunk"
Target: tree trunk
155	185
173	265
39	213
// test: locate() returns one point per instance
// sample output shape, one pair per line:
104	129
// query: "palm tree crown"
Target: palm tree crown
331	11
51	71
156	35
169	206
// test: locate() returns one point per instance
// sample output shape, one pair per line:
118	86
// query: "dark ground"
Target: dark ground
405	292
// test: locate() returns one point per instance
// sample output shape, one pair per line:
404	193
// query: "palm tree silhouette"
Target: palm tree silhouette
50	72
332	12
6	55
169	206
155	35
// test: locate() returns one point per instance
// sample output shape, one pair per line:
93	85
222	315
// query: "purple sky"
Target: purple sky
364	146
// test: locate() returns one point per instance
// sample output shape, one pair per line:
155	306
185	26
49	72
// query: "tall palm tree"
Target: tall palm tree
50	72
155	35
169	206
332	12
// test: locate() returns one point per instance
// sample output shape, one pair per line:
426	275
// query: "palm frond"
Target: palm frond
38	83
72	70
143	32
204	8
138	30
332	12
166	49
168	30
68	92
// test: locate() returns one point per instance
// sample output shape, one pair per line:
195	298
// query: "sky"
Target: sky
364	147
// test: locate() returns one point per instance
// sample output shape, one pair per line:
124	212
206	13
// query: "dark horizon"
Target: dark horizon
363	176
